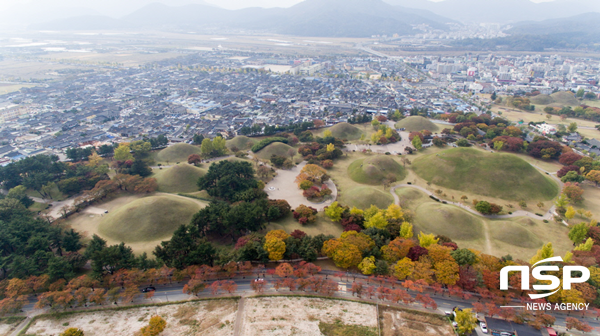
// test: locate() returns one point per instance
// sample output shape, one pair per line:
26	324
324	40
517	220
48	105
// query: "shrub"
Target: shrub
305	214
265	142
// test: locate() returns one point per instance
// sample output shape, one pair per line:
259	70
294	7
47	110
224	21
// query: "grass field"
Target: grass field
36	207
448	220
176	153
276	148
591	200
321	225
180	178
363	197
148	219
373	170
519	237
500	175
241	142
416	124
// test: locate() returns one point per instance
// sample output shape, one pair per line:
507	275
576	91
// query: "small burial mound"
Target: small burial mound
374	170
345	131
276	148
417	124
180	178
177	153
241	143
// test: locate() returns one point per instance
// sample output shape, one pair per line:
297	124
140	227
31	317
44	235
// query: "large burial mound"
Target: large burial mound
148	219
374	170
417	124
180	178
177	153
346	131
498	175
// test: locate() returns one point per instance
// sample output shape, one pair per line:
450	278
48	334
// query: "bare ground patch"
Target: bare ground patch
301	316
215	317
396	322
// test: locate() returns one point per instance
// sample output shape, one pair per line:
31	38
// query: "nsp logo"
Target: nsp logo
537	273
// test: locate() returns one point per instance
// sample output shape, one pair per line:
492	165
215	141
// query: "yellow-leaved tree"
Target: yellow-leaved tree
425	240
547	251
275	247
404	268
367	265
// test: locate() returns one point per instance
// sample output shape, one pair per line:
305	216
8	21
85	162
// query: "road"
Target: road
174	293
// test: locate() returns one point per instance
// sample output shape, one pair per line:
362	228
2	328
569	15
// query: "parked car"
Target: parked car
483	327
148	289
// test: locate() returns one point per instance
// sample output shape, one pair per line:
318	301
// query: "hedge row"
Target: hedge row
265	142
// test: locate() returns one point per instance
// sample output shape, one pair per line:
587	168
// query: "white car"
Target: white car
484	328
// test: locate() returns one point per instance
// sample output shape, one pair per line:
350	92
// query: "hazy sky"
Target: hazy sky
127	4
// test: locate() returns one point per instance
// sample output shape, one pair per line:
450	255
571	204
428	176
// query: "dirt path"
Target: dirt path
239	318
488	241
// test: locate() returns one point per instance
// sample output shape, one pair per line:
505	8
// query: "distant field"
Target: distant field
498	175
8	88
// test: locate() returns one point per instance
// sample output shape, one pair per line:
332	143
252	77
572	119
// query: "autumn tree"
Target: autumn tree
367	265
194	159
594	176
573	323
426	240
155	326
72	332
573	191
403	268
466	321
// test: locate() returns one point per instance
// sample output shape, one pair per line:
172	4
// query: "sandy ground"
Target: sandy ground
284	187
397	322
193	318
301	316
6	328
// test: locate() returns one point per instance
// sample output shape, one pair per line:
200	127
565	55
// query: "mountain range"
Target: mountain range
320	18
502	11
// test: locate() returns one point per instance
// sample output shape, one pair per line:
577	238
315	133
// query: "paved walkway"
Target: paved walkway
284	187
239	318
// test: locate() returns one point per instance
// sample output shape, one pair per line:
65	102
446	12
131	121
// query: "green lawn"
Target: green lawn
374	170
499	175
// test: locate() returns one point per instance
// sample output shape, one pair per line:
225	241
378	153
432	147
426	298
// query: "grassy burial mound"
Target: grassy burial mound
364	197
177	153
500	175
241	142
276	148
416	124
149	218
449	221
374	170
516	233
346	131
541	99
564	98
180	178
